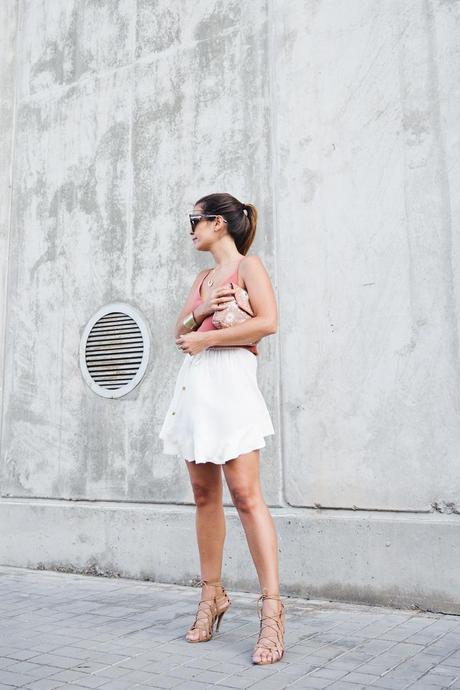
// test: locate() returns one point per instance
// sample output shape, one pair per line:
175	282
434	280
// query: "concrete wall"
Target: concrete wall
340	122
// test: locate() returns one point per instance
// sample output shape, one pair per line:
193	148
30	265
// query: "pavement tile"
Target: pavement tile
341	685
164	681
360	678
311	682
69	631
44	684
92	681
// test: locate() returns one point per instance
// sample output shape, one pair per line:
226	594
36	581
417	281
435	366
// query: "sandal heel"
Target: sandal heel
220	616
209	612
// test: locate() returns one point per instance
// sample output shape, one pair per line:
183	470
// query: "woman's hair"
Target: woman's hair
240	226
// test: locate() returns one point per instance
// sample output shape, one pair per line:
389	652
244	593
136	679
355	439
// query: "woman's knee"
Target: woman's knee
206	495
245	499
206	481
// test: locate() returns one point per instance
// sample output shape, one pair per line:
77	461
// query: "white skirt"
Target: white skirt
217	411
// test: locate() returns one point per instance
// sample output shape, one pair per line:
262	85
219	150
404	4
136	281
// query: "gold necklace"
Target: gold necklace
210	281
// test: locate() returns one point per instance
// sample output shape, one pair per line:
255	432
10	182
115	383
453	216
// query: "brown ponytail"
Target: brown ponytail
241	218
252	224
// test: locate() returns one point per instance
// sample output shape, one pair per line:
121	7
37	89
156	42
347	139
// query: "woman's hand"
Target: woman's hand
194	342
217	300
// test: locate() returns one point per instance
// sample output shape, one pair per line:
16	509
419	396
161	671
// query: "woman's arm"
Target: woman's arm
263	303
187	308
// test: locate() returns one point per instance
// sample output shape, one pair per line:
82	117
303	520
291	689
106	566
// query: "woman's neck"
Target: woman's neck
222	261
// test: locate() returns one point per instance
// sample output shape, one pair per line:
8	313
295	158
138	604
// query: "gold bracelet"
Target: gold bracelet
190	322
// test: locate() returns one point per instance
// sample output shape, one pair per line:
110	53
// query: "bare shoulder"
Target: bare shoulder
253	272
252	263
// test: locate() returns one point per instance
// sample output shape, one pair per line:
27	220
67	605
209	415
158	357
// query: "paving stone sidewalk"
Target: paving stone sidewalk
67	631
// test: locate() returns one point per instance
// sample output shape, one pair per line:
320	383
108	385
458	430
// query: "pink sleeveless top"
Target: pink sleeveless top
207	324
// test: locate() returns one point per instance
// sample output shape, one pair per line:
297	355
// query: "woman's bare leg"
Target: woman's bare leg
243	479
206	480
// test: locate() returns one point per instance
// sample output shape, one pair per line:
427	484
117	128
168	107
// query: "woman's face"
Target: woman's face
203	235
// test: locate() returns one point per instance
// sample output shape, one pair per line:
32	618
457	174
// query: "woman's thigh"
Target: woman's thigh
206	480
243	476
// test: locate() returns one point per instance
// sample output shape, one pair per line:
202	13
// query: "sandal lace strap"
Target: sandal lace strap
207	609
272	623
215	583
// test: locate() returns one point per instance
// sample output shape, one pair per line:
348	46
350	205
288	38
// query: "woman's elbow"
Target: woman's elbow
272	327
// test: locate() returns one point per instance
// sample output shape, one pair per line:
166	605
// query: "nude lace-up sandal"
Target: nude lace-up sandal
271	633
209	611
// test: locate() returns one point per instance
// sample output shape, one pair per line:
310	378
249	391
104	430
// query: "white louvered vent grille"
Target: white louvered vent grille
114	350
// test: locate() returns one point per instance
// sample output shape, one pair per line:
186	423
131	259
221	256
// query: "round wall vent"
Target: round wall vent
114	350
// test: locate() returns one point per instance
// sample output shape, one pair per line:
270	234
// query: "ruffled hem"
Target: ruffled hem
242	442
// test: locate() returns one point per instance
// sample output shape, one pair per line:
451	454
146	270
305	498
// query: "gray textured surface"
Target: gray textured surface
70	631
365	558
340	122
367	191
112	127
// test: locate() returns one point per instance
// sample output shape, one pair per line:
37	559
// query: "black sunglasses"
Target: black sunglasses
196	217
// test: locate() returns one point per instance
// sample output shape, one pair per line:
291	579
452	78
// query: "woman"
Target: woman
217	418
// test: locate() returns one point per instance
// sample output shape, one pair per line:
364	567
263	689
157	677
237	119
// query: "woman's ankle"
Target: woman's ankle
212	588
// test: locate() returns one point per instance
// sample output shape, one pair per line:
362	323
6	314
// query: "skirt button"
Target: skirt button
173	413
183	388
